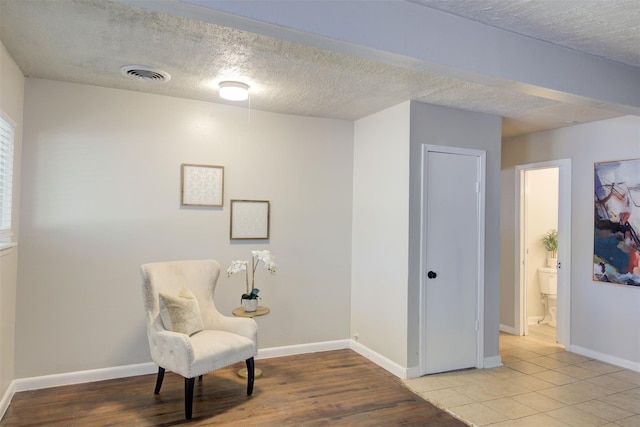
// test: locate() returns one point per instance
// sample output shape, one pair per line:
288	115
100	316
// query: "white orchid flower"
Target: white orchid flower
271	266
237	266
263	256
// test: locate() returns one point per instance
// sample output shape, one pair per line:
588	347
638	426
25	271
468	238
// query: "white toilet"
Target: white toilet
548	282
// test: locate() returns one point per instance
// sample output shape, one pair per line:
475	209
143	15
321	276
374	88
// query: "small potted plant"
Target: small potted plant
550	242
249	299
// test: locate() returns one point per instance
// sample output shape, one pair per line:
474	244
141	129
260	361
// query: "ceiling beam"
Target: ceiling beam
413	36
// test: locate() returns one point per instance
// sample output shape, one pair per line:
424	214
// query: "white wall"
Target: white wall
605	319
431	124
11	103
101	195
380	232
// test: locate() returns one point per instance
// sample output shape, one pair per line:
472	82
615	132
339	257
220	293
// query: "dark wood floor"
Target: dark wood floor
320	389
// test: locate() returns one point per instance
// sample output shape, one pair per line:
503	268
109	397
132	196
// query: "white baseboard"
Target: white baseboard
533	320
56	380
413	372
69	378
291	350
508	329
375	357
607	358
380	360
6	399
492	362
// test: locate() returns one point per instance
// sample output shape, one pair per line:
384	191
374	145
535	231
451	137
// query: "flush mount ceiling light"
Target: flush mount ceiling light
145	74
234	91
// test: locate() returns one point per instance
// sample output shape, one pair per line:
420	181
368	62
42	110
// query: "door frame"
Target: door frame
481	157
563	330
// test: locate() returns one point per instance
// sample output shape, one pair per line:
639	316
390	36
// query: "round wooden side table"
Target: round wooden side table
239	312
261	311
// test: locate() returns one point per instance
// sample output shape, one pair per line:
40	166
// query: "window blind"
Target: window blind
7	130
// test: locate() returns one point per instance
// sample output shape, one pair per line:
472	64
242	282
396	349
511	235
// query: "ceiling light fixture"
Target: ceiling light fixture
234	91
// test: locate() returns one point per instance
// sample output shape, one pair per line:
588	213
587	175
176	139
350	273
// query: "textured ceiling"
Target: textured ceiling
87	41
606	28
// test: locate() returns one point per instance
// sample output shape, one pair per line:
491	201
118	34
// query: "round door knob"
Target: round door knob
432	275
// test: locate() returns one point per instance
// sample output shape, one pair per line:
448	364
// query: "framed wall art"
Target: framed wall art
616	240
202	185
249	219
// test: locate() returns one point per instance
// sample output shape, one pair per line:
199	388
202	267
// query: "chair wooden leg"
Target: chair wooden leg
200	378
250	375
159	380
188	397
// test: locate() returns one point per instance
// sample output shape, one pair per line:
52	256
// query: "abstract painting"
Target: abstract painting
616	249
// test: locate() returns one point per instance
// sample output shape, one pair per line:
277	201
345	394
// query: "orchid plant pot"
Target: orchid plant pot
249	300
249	305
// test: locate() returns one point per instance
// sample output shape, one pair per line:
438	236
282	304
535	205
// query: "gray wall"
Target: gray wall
605	320
386	231
449	127
101	196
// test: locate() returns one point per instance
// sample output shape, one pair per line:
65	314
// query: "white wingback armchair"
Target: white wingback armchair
222	340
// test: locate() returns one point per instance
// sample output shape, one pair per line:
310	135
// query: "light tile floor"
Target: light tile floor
540	385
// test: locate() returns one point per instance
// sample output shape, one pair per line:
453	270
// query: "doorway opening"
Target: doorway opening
544	224
540	213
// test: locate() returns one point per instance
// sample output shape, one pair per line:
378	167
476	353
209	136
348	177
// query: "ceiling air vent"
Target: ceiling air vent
145	74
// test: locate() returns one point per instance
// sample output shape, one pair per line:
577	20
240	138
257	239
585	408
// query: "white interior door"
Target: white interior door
452	261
